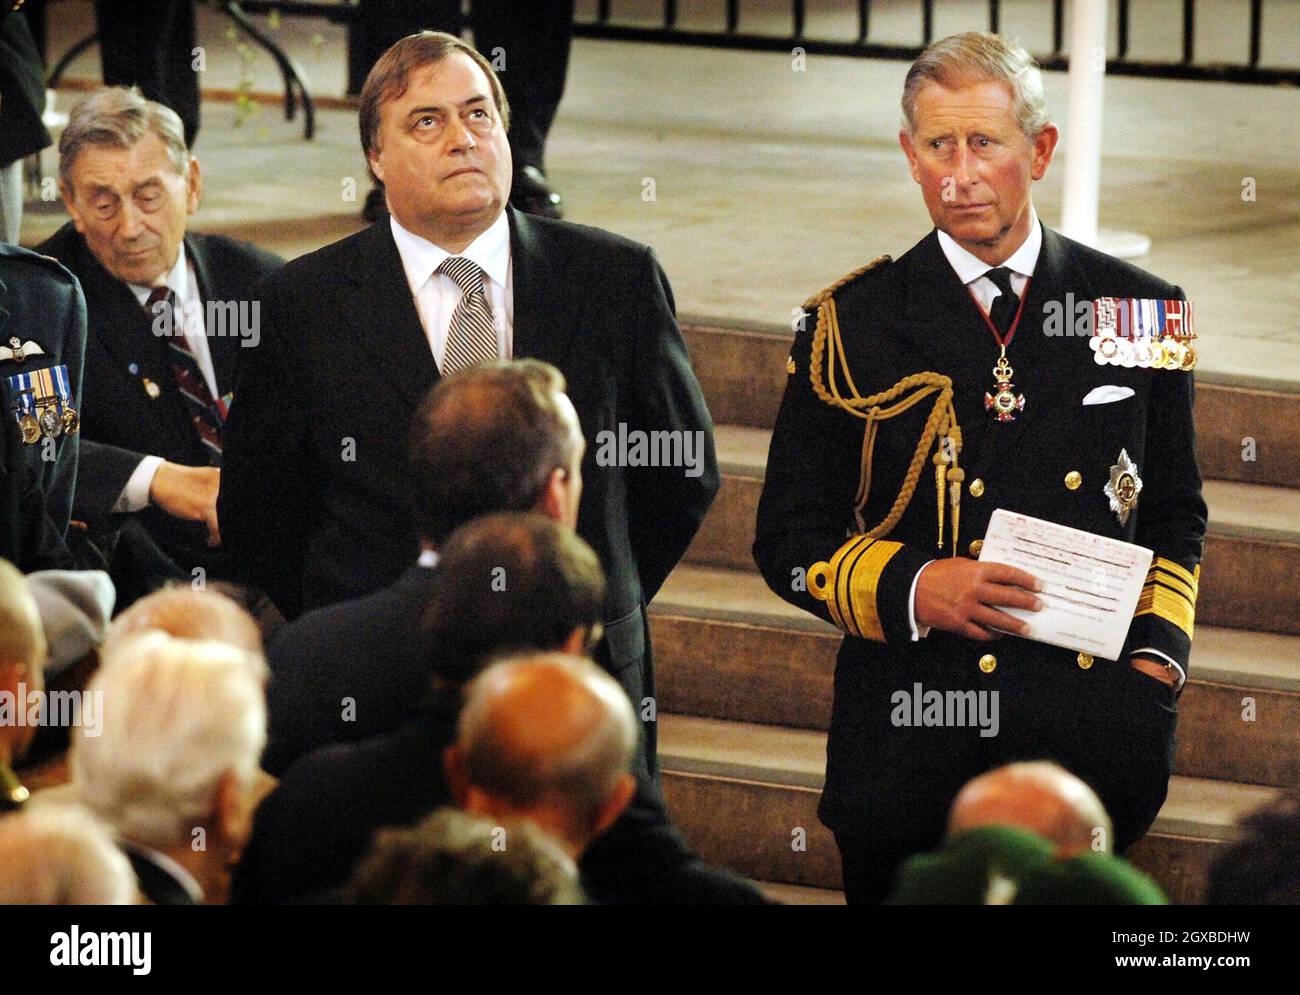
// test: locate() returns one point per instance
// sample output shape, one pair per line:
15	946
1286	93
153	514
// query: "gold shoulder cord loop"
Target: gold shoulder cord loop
941	428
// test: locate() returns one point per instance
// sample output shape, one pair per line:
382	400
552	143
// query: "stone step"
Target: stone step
767	780
1254	538
728	648
1243	426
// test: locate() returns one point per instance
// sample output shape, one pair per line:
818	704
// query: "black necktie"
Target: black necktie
1005	306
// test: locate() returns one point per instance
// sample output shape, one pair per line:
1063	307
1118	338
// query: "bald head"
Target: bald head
188	613
1041	797
550	737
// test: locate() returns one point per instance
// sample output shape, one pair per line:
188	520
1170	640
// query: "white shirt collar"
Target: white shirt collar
420	257
970	268
177	280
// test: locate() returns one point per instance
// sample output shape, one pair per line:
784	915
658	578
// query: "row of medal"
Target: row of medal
43	403
1145	333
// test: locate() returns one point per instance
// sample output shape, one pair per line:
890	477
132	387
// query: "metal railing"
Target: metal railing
1121	64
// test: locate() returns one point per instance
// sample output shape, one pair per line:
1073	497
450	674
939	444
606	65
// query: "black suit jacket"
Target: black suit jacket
313	829
347	672
1109	723
40	303
121	423
314	495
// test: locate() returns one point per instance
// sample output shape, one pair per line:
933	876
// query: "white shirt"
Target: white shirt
183	282
436	294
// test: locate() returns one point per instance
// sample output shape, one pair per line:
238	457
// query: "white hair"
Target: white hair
177	716
62	855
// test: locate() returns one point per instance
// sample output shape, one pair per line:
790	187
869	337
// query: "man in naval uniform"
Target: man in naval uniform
901	431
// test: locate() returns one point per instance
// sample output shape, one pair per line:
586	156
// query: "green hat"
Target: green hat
1003	865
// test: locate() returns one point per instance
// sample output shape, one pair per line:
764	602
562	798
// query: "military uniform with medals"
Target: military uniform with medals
894	444
42	346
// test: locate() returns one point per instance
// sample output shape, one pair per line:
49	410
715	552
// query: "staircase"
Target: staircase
744	679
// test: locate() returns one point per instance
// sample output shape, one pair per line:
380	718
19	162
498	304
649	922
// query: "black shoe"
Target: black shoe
531	194
376	207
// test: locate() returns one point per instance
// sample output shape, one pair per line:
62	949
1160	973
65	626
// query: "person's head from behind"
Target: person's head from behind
175	763
61	855
499	436
1041	797
547	737
187	613
129	182
511	583
976	135
22	657
433	119
1262	866
453	858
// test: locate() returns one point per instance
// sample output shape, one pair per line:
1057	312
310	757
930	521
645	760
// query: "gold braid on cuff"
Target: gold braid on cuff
1170	593
848	584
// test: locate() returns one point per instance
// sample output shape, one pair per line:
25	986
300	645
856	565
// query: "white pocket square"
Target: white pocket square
1107	394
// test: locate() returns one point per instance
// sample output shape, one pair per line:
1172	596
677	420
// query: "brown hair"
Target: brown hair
391	75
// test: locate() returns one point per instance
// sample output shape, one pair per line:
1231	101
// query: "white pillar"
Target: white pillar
1083	141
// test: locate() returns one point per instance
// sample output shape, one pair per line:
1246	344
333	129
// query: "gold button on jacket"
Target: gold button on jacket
975	547
1073	479
976	487
1085	661
988	663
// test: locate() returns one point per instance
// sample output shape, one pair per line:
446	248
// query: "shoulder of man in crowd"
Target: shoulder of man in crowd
39	263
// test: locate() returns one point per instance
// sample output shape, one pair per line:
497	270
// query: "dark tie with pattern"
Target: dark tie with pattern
1003	311
203	410
471	336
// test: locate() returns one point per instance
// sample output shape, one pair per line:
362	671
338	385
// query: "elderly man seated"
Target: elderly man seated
173	771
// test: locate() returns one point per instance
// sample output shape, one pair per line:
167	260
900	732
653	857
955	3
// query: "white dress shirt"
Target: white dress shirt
183	282
436	294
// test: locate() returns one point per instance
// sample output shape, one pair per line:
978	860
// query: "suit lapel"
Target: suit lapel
382	314
545	316
1041	363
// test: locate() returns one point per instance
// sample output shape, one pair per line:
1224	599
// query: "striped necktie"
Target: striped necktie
471	336
205	414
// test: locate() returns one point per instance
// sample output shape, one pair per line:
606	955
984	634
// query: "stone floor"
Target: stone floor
768	183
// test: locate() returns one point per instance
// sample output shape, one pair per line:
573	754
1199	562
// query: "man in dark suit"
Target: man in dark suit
1072	440
315	495
22	102
42	344
311	831
169	315
326	686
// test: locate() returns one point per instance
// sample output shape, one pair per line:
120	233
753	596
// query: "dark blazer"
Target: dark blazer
313	829
40	303
156	883
367	650
314	495
121	423
1109	723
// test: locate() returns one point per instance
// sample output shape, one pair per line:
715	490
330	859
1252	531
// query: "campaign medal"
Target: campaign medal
1123	486
1004	402
43	403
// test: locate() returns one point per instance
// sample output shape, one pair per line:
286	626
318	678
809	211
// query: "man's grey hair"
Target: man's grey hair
178	715
453	858
119	117
980	57
60	854
584	776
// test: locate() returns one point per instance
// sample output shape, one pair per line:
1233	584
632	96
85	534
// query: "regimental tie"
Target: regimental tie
1002	319
205	413
471	336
